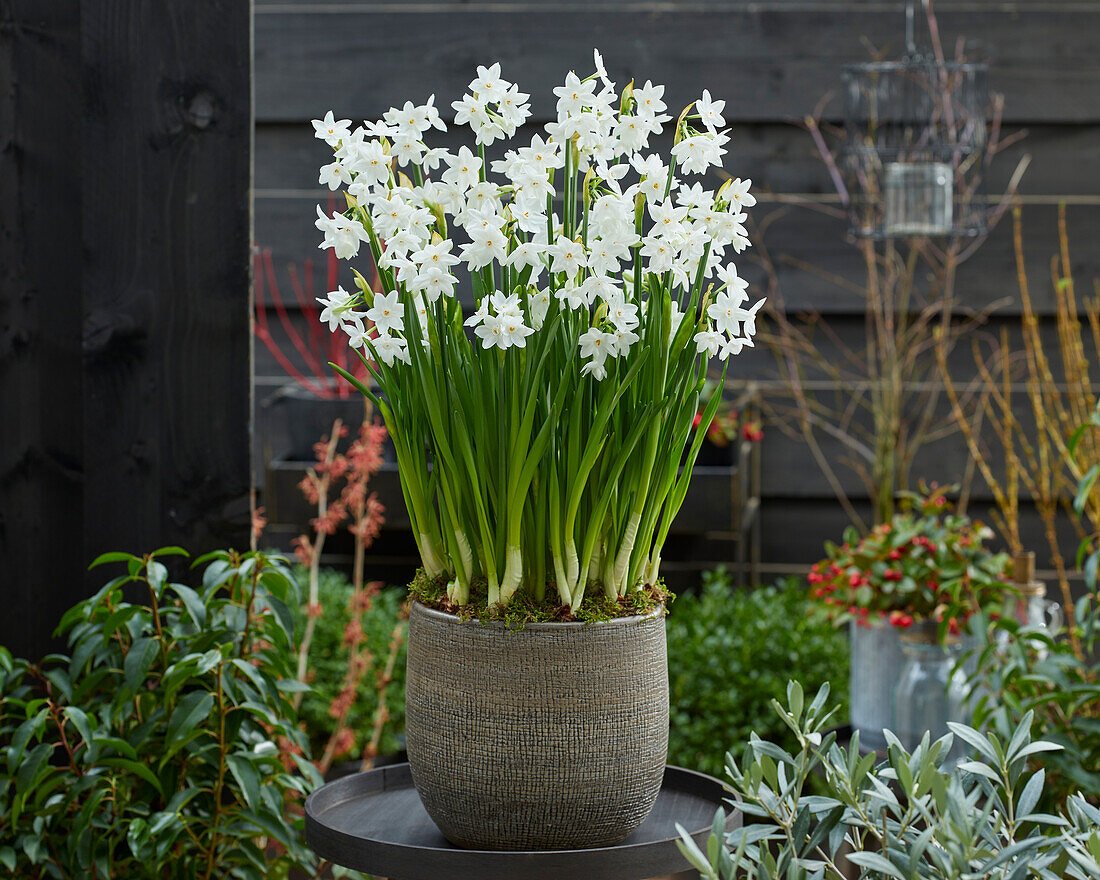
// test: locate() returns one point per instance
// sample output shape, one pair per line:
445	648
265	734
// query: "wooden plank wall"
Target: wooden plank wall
125	228
772	62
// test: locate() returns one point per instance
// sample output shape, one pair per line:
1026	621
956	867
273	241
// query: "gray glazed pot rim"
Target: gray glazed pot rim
539	625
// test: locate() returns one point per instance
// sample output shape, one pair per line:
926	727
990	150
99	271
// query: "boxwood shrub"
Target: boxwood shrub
730	652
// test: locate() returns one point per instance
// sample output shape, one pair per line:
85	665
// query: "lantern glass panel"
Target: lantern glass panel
919	198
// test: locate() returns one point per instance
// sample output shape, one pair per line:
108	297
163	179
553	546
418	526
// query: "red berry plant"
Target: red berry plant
729	423
926	564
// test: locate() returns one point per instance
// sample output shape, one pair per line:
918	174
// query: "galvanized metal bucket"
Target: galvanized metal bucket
877	660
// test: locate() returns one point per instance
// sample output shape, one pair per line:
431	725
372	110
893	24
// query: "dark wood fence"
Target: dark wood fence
125	226
772	62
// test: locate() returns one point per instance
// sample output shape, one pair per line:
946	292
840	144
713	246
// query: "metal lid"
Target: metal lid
1023	566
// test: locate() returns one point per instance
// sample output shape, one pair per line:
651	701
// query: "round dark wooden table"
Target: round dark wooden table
374	822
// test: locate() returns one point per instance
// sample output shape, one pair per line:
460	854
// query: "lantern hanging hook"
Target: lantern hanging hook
910	38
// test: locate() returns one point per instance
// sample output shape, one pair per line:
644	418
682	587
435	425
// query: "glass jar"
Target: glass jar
1027	604
930	692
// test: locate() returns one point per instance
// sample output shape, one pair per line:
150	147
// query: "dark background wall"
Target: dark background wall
125	223
772	62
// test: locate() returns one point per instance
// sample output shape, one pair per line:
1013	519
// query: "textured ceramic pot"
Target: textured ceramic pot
550	737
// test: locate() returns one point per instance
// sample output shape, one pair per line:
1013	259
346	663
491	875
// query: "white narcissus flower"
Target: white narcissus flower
390	348
573	296
624	338
489	331
432	158
407	148
708	341
371	162
331	130
710	112
527	255
539	305
725	313
506	306
733	346
596	369
436	282
598	346
659	254
513	332
485	246
427	116
342	234
601	71
377	129
334	176
748	317
698	152
488	86
387	313
666	218
567	256
738	193
574	96
403	121
514	109
600	287
735	286
695	196
338	305
436	255
648	98
462	169
480	315
623	314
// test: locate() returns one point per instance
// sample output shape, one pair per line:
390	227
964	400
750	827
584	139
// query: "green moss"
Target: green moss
524	609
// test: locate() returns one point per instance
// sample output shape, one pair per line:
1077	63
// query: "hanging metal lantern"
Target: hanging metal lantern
916	138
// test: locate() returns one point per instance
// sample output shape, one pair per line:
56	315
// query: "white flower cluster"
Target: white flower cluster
632	216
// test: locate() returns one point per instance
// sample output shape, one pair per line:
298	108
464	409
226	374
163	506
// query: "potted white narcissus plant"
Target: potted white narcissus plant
539	438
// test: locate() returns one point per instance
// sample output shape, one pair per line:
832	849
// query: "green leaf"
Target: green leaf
1084	488
690	851
1040	746
7	857
80	722
1029	797
876	862
29	771
795	698
139	659
135	768
114	556
192	602
282	613
248	778
274	826
32	727
976	739
170	551
980	769
191	709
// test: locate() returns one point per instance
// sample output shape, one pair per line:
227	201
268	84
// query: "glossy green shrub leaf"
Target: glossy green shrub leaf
192	709
134	763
